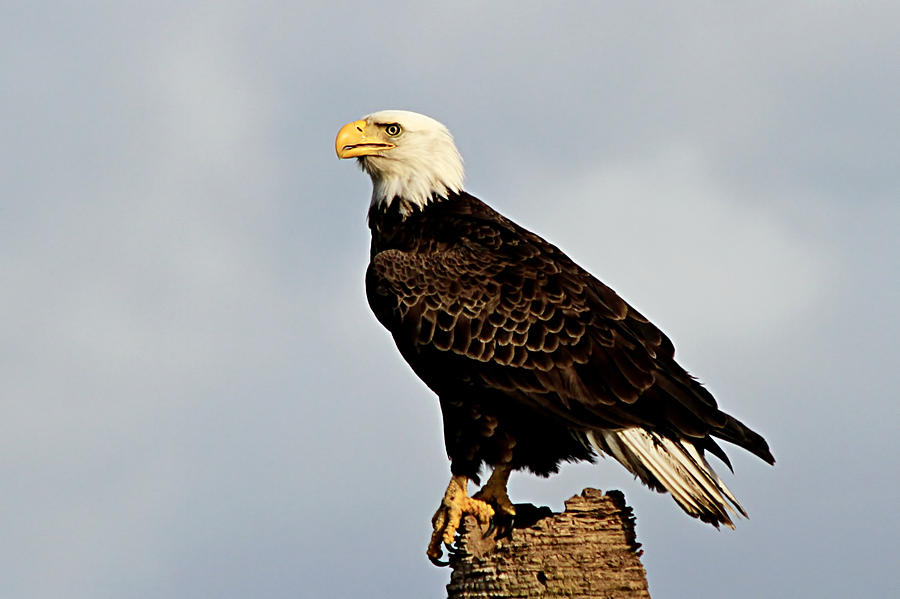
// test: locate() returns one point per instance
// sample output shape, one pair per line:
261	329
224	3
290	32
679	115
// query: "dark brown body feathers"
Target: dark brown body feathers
526	350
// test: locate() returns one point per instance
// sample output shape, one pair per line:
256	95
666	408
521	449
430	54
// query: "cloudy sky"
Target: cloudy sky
196	401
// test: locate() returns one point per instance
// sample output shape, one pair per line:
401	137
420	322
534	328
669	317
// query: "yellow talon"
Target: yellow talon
455	503
494	491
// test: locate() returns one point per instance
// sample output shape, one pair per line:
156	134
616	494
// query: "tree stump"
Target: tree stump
590	550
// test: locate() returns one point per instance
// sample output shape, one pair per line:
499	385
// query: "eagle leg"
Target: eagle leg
446	519
494	493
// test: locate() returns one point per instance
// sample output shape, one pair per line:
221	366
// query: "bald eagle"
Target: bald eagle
534	361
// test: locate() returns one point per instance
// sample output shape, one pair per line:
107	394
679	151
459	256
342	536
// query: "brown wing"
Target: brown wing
517	315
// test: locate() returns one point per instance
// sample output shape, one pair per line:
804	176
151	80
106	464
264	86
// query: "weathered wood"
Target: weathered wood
590	550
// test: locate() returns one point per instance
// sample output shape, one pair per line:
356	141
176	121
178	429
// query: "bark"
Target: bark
589	550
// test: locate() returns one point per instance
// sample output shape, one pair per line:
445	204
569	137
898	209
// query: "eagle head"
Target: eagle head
409	156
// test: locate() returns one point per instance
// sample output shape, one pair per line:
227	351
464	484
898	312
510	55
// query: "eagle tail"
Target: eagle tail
676	466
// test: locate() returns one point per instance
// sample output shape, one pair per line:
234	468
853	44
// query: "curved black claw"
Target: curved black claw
438	562
502	525
499	527
491	528
452	552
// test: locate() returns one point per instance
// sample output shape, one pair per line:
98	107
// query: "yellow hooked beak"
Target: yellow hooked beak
359	139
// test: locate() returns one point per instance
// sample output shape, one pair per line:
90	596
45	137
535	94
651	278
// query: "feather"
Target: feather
675	465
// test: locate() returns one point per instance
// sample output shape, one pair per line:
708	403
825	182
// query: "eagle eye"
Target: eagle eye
393	129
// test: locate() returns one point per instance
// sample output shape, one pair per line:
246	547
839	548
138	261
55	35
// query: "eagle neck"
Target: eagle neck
394	213
393	228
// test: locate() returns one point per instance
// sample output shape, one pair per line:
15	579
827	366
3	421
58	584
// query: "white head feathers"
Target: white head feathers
422	163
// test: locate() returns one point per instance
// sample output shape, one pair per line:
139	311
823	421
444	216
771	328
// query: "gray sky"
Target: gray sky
196	400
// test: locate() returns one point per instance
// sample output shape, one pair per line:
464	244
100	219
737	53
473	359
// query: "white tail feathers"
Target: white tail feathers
672	465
